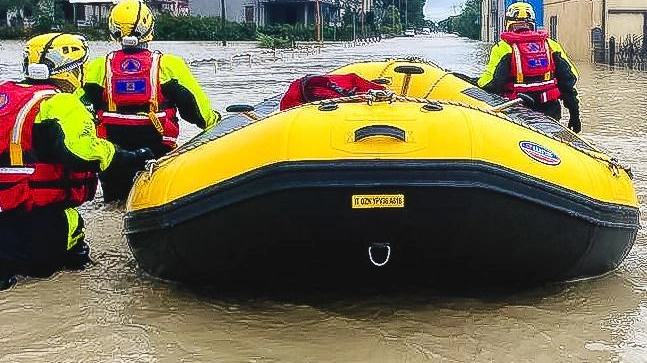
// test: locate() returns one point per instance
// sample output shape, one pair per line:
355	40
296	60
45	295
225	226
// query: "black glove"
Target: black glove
137	158
129	160
575	124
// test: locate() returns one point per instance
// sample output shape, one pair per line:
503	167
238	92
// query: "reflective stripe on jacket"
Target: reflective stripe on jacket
25	180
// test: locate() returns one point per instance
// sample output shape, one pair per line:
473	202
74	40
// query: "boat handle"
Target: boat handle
380	130
409	70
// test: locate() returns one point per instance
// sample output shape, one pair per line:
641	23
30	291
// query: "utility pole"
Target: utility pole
406	21
222	20
393	16
318	21
353	25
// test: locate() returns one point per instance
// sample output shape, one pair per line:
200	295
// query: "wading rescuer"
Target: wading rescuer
527	61
49	159
137	93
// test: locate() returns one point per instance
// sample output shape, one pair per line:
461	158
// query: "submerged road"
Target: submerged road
113	313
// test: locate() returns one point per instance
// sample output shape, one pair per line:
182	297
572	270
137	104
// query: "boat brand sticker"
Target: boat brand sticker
4	99
539	153
364	201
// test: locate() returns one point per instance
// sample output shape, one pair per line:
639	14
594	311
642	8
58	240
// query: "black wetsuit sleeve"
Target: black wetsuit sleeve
185	102
566	80
93	96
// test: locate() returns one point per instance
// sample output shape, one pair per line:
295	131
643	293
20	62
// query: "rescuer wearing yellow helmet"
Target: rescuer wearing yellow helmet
49	159
137	93
525	60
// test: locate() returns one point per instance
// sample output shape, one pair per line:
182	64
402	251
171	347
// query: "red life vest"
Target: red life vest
315	88
132	81
533	66
25	182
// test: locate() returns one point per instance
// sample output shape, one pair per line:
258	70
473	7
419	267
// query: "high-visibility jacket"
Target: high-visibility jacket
132	82
26	181
533	66
497	75
176	89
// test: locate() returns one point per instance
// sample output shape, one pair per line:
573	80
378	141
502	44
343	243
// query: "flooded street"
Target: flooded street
114	313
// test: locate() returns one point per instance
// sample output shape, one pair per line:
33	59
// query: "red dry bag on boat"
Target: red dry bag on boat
315	88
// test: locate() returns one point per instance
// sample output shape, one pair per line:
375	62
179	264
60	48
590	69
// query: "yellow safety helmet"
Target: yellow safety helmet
57	56
131	23
519	16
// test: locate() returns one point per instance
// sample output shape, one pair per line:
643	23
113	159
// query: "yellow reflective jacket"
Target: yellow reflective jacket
64	132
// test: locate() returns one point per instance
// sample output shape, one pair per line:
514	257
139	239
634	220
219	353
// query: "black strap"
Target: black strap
139	12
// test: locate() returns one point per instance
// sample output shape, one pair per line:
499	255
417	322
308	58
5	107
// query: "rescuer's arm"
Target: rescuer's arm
567	75
179	86
497	71
92	91
64	132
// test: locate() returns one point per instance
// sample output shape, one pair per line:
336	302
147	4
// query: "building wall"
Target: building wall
575	19
627	4
492	13
234	9
620	25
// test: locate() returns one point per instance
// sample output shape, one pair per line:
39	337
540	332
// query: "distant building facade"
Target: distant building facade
579	24
492	14
265	12
87	12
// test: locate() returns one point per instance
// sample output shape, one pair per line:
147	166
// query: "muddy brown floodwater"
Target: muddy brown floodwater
114	313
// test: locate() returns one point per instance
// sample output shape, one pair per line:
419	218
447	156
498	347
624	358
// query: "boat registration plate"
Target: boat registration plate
362	201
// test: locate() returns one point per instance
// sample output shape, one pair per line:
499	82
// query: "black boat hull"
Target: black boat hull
462	223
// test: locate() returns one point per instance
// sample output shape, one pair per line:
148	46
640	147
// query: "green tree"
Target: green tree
29	6
415	17
391	20
467	23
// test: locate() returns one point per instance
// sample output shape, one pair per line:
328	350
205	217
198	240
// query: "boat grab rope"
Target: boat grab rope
379	96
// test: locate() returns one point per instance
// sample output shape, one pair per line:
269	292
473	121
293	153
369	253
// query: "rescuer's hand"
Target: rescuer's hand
139	157
575	124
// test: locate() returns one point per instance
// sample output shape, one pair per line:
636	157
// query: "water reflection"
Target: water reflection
112	312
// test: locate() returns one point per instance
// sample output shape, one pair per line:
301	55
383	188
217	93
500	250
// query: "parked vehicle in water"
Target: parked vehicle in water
409	33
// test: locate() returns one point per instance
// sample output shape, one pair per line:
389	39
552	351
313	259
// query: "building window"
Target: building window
552	29
249	14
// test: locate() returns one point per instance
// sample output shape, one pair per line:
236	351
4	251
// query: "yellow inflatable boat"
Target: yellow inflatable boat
431	180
